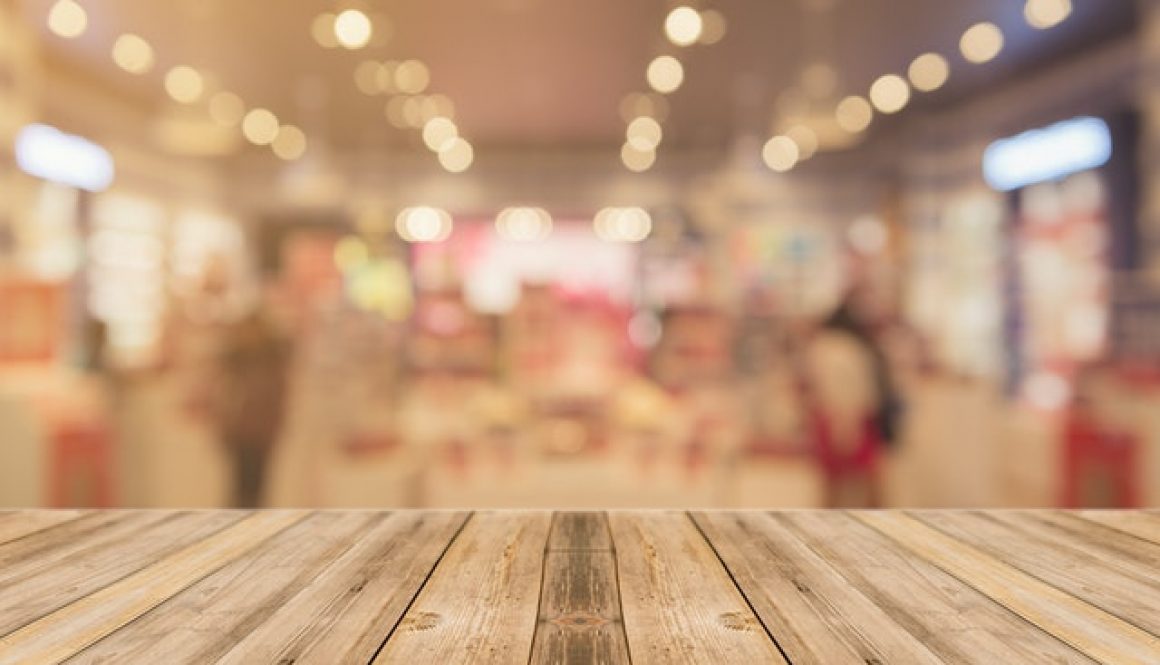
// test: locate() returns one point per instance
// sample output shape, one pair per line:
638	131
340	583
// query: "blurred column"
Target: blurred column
1149	162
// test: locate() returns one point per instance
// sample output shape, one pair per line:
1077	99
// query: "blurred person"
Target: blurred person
250	401
852	406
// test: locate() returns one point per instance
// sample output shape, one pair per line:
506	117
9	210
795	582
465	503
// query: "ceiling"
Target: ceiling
539	74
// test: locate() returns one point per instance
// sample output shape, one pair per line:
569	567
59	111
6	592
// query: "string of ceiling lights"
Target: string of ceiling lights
890	93
405	82
684	26
187	85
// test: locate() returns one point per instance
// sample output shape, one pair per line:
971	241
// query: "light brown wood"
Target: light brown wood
74	627
345	587
956	622
348	610
16	524
481	603
811	610
1090	630
579	619
679	604
1118	585
1142	524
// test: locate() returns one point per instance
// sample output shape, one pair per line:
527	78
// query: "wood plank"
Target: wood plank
44	549
481	602
1092	631
31	597
1143	524
955	621
349	609
68	630
579	620
1020	540
202	623
679	603
16	524
812	611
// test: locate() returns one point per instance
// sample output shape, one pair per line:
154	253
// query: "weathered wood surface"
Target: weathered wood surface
294	586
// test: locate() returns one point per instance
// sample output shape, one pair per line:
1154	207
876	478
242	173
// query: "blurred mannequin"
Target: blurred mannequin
253	366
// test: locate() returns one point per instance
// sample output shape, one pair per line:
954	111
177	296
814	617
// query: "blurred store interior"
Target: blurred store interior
579	253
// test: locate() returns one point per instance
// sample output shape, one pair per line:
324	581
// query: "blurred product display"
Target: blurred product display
796	254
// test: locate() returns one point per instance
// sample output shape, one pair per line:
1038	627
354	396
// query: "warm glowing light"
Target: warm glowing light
184	84
981	42
683	26
456	155
644	133
780	153
260	126
928	72
67	19
290	143
423	224
889	93
438	133
713	26
352	29
226	108
437	105
665	74
854	114
133	54
412	77
622	224
805	139
637	160
524	224
396	112
367	77
322	29
1044	14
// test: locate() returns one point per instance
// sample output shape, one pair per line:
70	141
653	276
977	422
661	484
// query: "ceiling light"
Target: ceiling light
260	126
322	29
713	26
644	133
67	19
683	26
184	84
981	42
133	54
780	153
1043	14
438	132
622	224
854	114
226	108
456	155
423	224
889	93
290	144
352	29
635	159
523	224
412	77
665	74
928	72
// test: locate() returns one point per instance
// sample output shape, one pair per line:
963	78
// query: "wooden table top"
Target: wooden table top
635	586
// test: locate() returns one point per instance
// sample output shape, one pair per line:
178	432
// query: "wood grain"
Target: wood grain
72	628
579	620
16	524
679	603
1105	578
1142	524
955	621
804	601
346	612
1090	630
481	603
